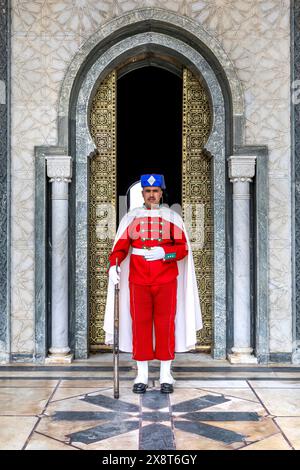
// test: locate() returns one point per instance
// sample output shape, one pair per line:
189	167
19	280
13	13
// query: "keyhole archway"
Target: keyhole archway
196	70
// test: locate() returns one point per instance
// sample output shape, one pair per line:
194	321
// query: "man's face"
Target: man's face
152	195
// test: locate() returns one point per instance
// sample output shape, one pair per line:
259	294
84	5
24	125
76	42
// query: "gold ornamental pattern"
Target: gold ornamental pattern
102	198
197	194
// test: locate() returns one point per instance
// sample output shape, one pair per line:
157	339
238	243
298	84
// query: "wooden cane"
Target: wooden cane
116	339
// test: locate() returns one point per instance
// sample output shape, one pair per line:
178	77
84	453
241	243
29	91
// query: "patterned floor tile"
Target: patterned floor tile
15	430
275	442
83	415
212	432
236	404
155	400
62	426
91	418
280	402
23	401
63	392
104	431
40	442
181	394
252	430
241	393
291	428
221	419
188	441
158	436
126	396
128	441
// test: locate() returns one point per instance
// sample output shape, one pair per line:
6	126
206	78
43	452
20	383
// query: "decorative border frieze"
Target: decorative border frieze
295	169
4	180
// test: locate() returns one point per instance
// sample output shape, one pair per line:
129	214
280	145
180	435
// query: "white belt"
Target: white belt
139	251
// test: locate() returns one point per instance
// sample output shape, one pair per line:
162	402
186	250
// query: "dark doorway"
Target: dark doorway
149	129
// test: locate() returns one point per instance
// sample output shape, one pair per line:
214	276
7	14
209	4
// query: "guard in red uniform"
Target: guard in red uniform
157	244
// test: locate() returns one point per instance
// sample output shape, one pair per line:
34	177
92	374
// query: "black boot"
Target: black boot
139	388
166	388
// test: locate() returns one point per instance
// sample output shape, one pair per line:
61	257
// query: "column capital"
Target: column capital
241	168
59	168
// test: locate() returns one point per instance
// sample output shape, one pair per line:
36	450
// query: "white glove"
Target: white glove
155	253
114	275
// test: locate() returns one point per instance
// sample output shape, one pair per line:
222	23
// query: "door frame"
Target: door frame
160	44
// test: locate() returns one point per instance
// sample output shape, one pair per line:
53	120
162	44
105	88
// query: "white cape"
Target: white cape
188	319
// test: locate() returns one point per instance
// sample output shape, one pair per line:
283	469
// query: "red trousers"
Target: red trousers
153	304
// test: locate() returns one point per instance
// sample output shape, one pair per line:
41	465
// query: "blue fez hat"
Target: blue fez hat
153	180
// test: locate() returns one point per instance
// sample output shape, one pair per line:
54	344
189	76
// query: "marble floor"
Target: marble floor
214	406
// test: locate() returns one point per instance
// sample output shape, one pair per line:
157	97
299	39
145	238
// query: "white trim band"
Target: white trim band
140	251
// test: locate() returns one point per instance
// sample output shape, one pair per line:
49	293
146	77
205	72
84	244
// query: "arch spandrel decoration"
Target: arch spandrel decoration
102	198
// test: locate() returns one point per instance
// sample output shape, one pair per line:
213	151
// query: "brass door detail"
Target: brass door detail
197	194
196	190
102	201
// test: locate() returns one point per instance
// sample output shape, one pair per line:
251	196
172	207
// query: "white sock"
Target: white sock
165	373
142	376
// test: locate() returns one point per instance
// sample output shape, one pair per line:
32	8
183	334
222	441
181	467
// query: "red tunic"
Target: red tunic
145	232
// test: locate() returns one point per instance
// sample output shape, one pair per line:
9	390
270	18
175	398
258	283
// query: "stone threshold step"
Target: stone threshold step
152	368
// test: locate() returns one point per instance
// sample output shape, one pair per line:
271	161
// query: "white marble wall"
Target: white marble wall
46	34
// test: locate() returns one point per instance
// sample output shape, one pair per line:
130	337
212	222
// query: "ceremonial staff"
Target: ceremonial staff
116	339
